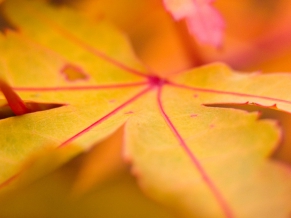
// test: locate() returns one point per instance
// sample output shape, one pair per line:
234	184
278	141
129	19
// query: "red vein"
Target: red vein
84	45
15	176
78	88
220	199
106	116
9	180
227	93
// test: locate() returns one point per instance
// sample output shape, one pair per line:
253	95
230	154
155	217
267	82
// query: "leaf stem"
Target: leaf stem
14	101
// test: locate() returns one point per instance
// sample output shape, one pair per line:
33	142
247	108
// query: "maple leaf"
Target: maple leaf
203	20
202	161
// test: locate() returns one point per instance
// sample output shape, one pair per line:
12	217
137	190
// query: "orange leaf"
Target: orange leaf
199	160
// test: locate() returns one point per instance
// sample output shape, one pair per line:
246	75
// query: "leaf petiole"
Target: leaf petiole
14	101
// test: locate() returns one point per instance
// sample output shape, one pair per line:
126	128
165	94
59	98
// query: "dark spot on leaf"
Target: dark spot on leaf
283	118
73	73
193	115
195	95
129	112
6	112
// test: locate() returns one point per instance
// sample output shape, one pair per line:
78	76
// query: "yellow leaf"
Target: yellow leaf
202	161
214	157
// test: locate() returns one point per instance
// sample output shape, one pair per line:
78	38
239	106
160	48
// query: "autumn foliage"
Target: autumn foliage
173	108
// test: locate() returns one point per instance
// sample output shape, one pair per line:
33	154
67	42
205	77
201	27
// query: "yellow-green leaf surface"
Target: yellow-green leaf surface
35	64
202	161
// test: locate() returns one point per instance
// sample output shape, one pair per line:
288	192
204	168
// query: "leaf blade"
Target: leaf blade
243	148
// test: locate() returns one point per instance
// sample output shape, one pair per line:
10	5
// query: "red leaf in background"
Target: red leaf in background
203	20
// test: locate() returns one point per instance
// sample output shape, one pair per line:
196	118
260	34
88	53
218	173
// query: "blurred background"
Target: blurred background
99	183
